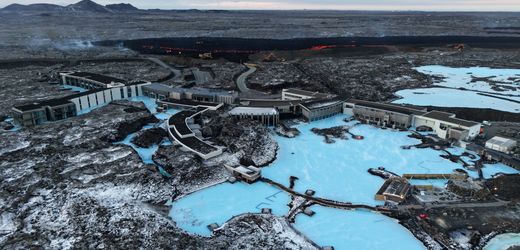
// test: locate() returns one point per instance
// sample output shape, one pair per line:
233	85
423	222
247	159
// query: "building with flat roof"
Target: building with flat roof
447	126
384	114
160	91
89	80
394	189
501	144
284	107
180	132
249	174
298	94
314	110
268	116
55	109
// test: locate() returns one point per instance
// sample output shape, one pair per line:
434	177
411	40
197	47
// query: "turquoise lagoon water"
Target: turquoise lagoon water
218	204
355	230
74	88
462	78
503	242
336	171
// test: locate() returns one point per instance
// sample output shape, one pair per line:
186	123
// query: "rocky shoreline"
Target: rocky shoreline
339	132
67	185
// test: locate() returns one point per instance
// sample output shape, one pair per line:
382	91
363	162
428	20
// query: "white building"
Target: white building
99	97
90	80
447	126
501	144
268	116
298	94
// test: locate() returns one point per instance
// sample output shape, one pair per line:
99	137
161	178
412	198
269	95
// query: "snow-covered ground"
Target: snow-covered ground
503	241
336	171
505	81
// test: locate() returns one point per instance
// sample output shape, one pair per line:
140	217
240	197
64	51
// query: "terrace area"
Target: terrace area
181	133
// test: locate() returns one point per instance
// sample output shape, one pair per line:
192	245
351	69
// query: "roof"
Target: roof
191	103
450	118
312	94
159	87
196	91
269	103
389	107
501	141
97	77
55	101
179	121
207	91
253	111
194	143
395	187
317	104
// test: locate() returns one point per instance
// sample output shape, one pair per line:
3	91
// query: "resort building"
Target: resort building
69	106
447	126
268	116
320	109
158	91
181	130
394	189
383	114
161	91
40	112
249	174
170	103
90	80
298	94
286	108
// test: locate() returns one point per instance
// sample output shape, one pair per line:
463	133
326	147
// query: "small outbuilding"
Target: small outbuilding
249	174
501	144
394	189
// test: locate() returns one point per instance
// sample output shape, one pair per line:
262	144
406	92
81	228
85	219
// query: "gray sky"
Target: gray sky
441	5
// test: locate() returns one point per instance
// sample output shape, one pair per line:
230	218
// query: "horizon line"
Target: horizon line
328	8
332	10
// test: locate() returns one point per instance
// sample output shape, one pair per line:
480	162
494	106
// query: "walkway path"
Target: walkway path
322	201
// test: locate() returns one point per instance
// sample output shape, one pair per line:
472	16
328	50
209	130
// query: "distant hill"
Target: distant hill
88	6
33	7
121	7
82	6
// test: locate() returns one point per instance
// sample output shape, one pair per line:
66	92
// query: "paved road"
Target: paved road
458	205
241	80
177	72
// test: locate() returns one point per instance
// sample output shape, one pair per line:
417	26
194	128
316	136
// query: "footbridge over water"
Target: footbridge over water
326	202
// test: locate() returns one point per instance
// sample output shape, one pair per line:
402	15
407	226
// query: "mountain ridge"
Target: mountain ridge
81	6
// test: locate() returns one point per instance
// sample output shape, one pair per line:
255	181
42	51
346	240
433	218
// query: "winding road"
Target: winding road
176	72
241	80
